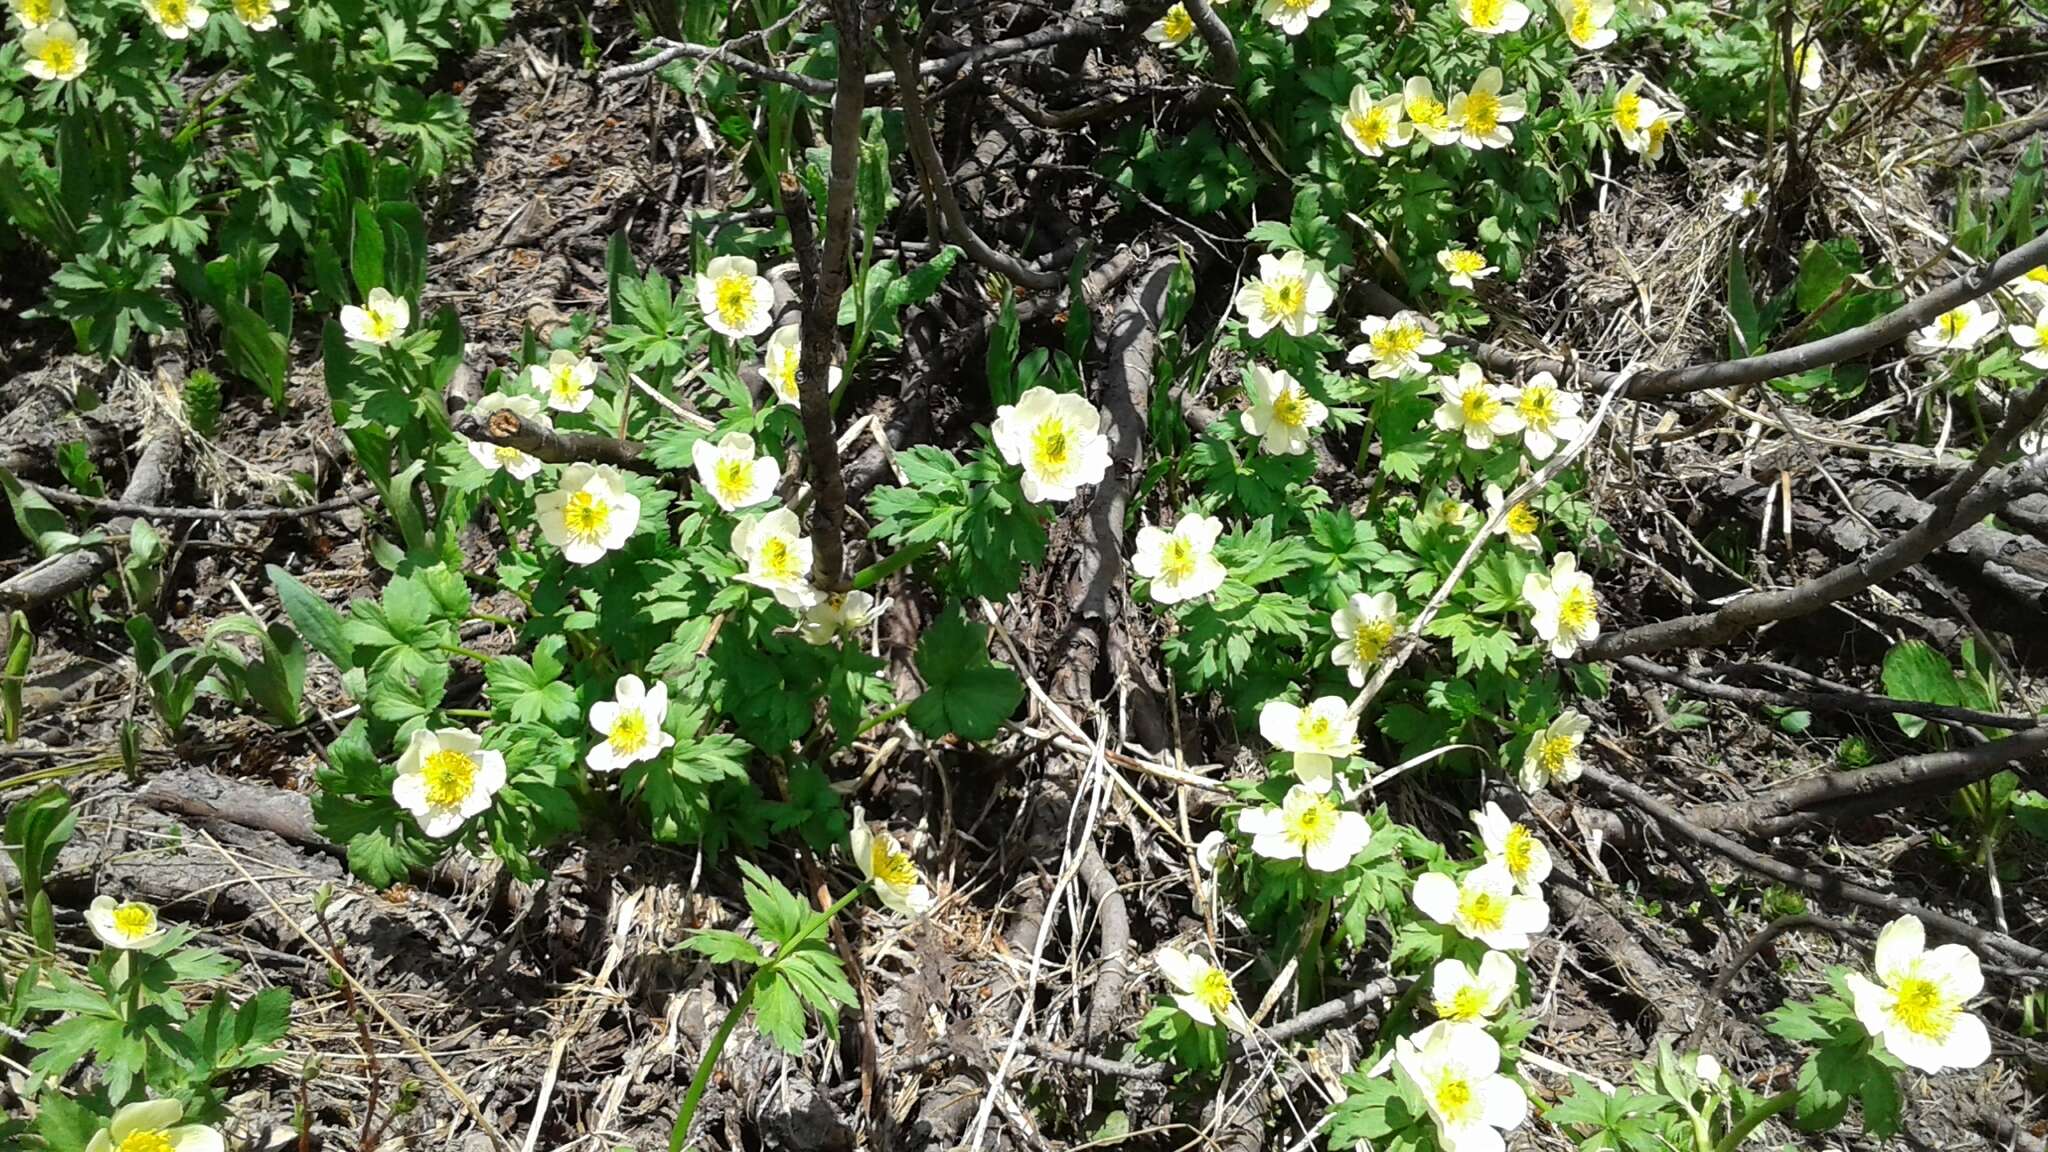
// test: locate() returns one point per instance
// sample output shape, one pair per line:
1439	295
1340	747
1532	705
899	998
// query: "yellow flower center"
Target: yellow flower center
1314	729
2038	275
629	732
1177	25
36	13
1520	851
1052	448
508	457
891	865
784	375
1628	111
1481	910
778	559
1428	111
252	11
733	477
1657	129
1576	611
172	11
1455	1100
1293	6
1554	753
1290	407
735	300
1953	322
1370	639
1212	989
1521	521
1313	825
1466	262
1538	407
60	56
1396	342
1285	296
564	384
147	1140
1371	126
585	516
1486	13
1478	407
382	324
450	777
1176	561
1921	1009
1482	113
1467	1003
134	921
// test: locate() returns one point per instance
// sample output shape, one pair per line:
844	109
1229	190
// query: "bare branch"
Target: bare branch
508	429
1217	36
1855	703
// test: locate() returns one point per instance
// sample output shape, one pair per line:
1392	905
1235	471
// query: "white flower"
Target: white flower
55	51
777	556
1513	845
1482	905
2033	282
152	1126
1056	437
381	320
1473	408
1959	329
446	776
516	464
1364	627
729	470
1373	126
782	359
1202	990
1493	17
1395	345
1289	294
1458	993
124	924
1656	130
1549	415
1808	59
735	301
1705	1069
840	614
1282	413
1181	564
1211	849
1585	22
1563	607
34	14
1553	754
1292	16
1633	113
1316	735
885	864
589	514
1518	524
1455	1068
1308	826
1463	266
1173	29
1742	198
259	15
1916	1005
630	723
565	380
1482	115
1444	510
1431	119
176	19
2034	338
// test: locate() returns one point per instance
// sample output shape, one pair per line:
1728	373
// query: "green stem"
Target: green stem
884	718
889	565
1755	1117
494	618
467	713
472	653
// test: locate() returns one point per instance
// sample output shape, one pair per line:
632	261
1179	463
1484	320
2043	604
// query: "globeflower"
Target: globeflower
630	723
1512	844
1394	345
516	464
34	14
1959	329
1364	627
1482	115
1373	126
1202	990
1549	414
1493	17
446	776
1585	22
152	1126
565	380
2034	338
735	300
1292	16
381	320
1432	121
176	19
839	614
1172	29
1808	60
1916	1005
1471	407
259	15
124	924
1456	992
1553	754
886	866
589	513
1482	905
1455	1068
1181	564
1316	735
781	361
1463	266
1282	414
1289	294
732	473
1056	438
1742	198
1518	524
1564	610
1307	826
777	557
1632	113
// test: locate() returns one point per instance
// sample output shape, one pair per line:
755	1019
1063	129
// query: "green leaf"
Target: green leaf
533	693
779	1013
64	1124
965	693
1915	671
777	911
263	1019
722	947
314	617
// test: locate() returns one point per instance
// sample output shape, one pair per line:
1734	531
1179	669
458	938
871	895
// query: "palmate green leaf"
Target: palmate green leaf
722	947
779	1013
965	693
1913	670
533	693
64	1124
777	911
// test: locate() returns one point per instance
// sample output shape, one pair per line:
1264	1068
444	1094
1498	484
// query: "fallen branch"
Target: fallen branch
1854	703
1865	790
508	429
1113	925
354	498
1826	884
62	575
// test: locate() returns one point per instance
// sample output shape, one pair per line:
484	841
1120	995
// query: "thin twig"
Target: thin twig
354	498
